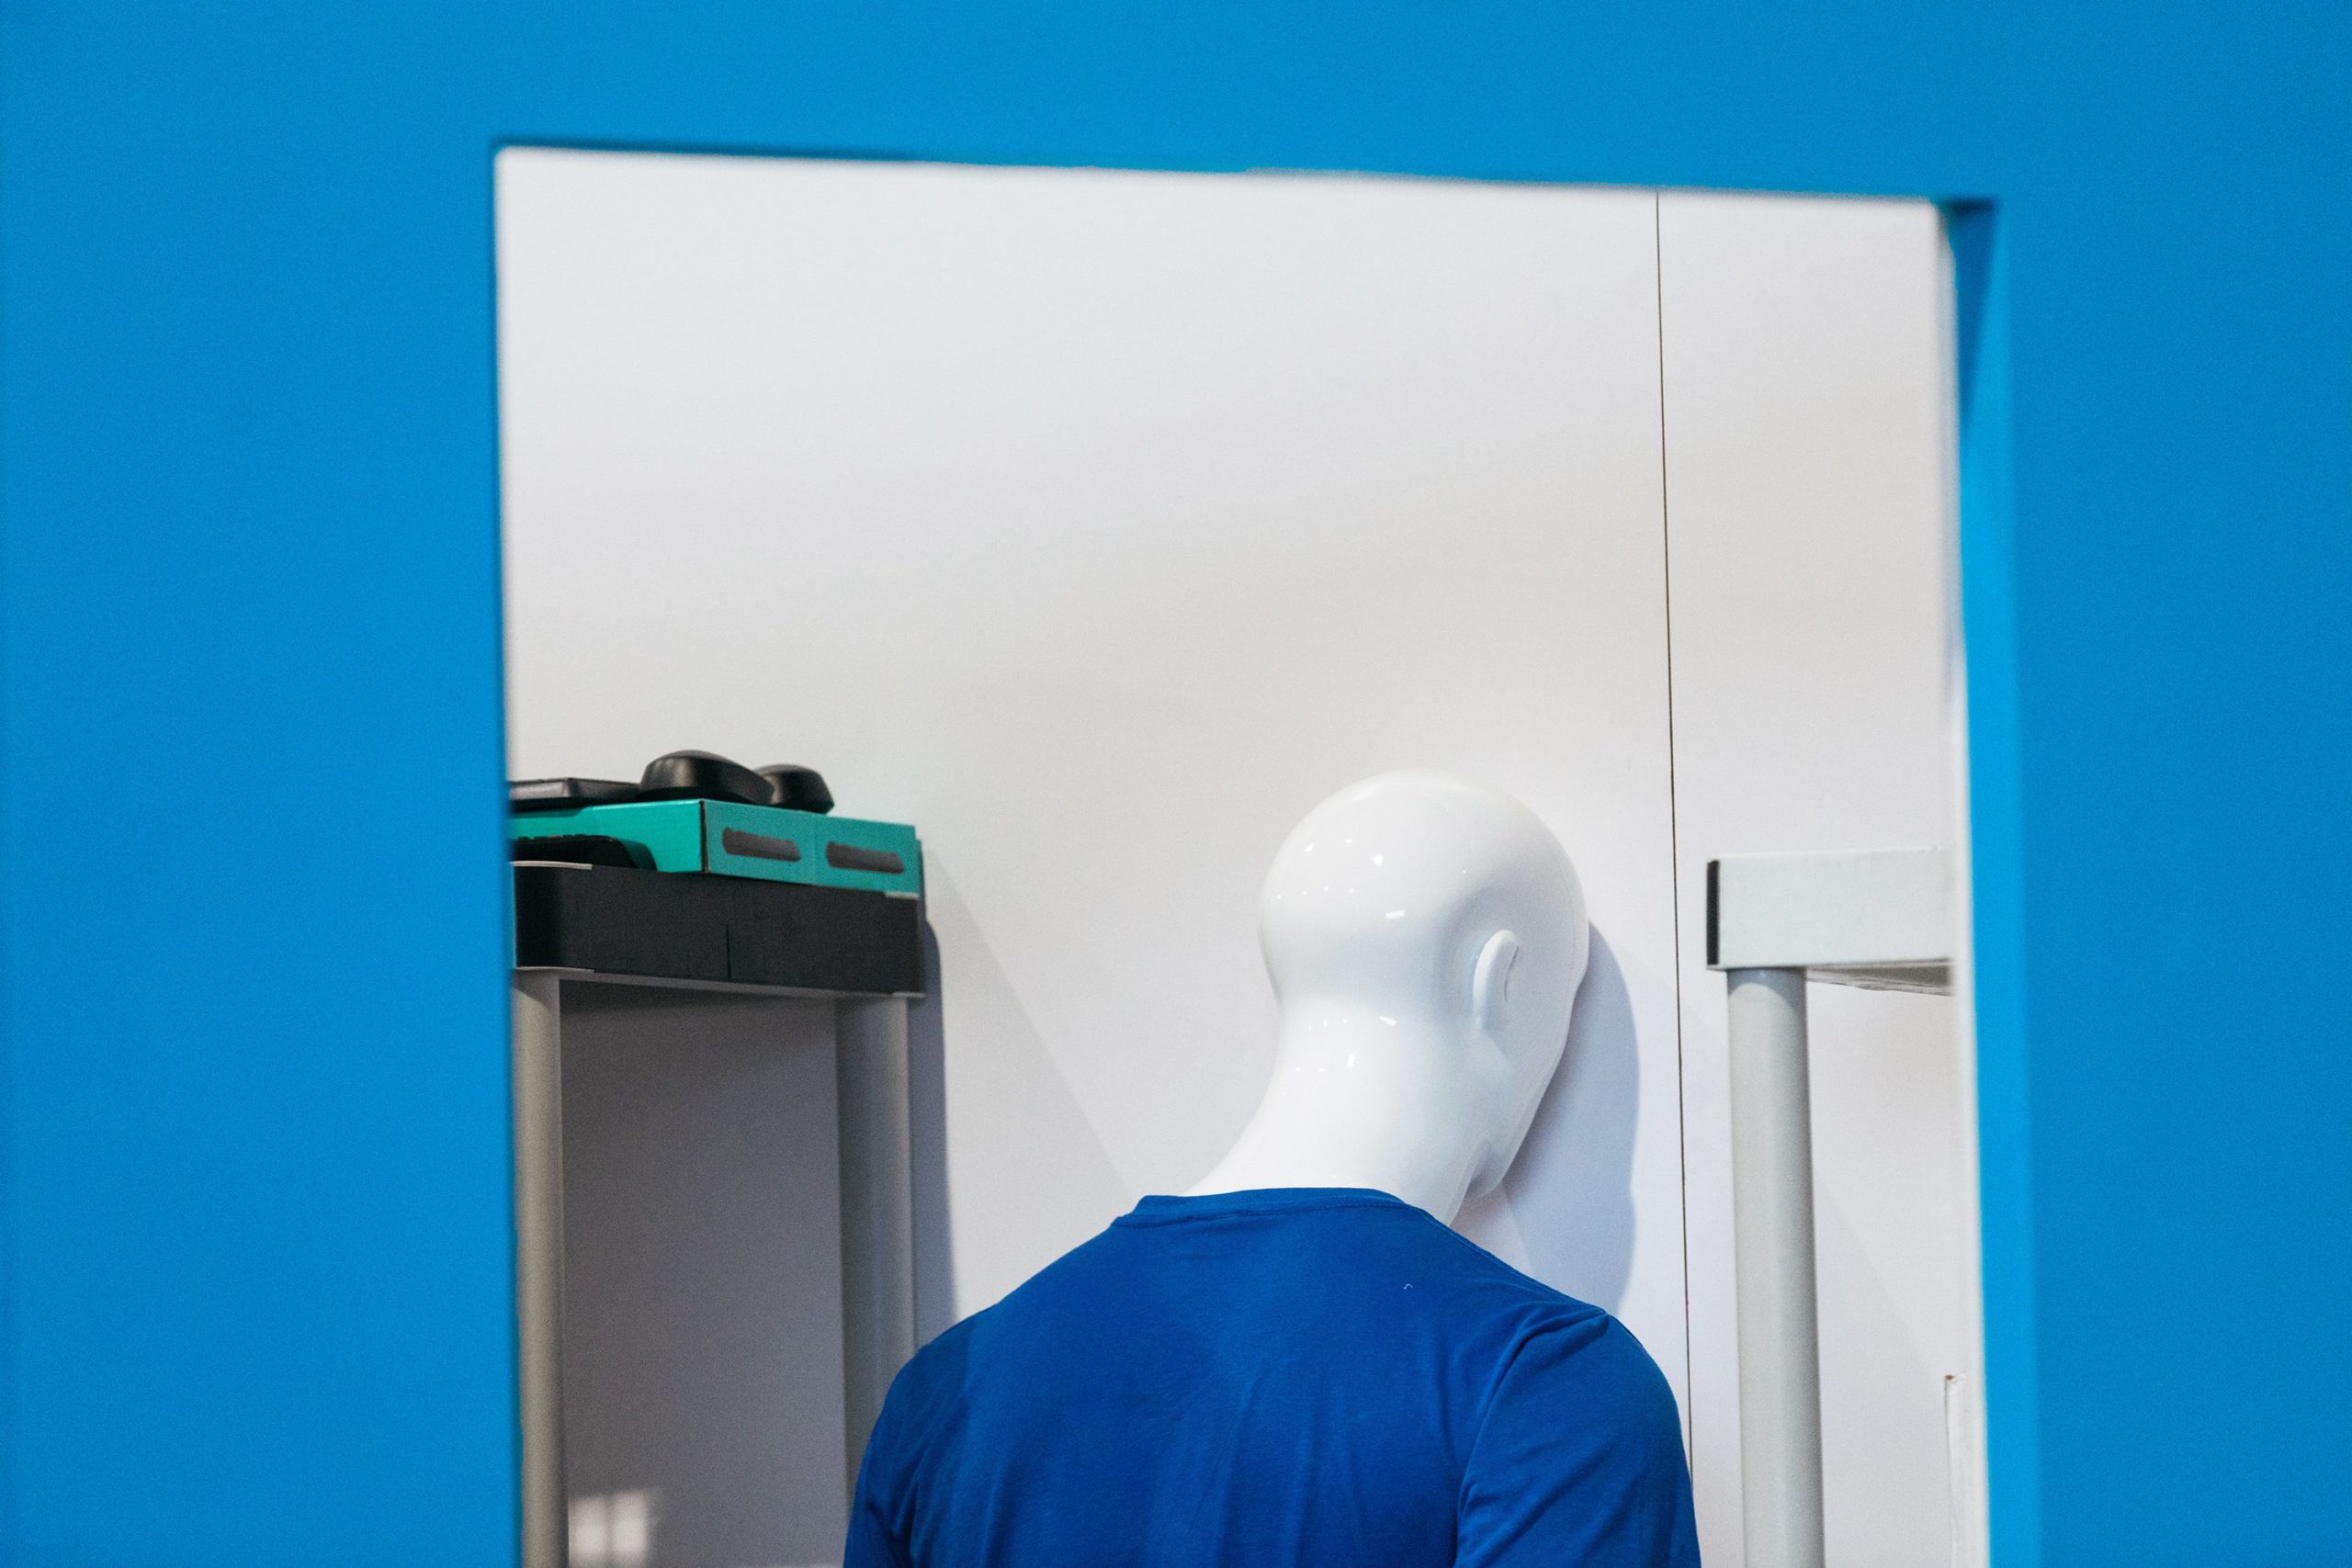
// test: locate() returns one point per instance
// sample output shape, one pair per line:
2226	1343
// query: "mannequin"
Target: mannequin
1297	1362
1425	936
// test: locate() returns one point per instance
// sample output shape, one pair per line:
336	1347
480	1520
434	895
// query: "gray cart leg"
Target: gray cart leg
877	1212
538	1261
1780	1352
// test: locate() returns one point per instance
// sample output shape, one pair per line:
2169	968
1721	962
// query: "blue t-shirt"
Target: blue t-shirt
1300	1376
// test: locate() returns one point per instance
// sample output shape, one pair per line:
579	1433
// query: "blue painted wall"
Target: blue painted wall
257	1304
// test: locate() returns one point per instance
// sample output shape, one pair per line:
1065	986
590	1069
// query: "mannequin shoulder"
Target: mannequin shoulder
1503	1287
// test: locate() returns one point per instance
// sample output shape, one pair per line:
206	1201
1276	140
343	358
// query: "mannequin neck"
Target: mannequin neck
1360	1099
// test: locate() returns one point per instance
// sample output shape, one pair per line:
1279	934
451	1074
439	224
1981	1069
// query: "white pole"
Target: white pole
1780	1352
538	1261
877	1212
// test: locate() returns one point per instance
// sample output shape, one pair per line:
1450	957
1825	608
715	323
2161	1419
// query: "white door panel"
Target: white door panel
1806	376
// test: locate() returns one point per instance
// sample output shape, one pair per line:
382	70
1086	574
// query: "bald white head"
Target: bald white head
1426	936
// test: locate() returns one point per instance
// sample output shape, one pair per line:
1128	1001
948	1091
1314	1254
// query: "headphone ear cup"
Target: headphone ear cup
798	788
703	775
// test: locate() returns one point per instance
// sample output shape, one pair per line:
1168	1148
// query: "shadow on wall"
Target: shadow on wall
1564	1212
1008	1171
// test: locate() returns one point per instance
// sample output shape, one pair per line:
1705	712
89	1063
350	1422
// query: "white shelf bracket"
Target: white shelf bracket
1881	919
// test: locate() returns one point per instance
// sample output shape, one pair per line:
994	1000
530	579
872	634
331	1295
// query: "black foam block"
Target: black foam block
674	926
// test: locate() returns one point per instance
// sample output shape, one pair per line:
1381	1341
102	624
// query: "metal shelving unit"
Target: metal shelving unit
838	933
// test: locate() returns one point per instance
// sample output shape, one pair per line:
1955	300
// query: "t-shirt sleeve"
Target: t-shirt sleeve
1579	1461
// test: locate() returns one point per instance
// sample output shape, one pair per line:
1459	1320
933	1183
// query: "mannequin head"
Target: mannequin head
1426	936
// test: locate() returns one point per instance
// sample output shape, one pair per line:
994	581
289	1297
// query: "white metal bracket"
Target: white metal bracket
1882	920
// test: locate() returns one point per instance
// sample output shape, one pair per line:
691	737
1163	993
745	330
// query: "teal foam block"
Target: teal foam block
725	839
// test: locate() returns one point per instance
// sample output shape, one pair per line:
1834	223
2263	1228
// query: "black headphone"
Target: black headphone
702	775
682	776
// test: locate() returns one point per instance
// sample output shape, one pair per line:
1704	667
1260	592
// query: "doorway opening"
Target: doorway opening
1096	524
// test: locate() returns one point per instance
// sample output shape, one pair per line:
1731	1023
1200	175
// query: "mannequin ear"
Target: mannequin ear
1490	981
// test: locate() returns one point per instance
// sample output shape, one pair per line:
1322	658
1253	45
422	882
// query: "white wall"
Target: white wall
1805	380
1100	523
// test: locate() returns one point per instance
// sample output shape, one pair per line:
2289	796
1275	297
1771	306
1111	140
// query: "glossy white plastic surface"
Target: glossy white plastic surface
1426	936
